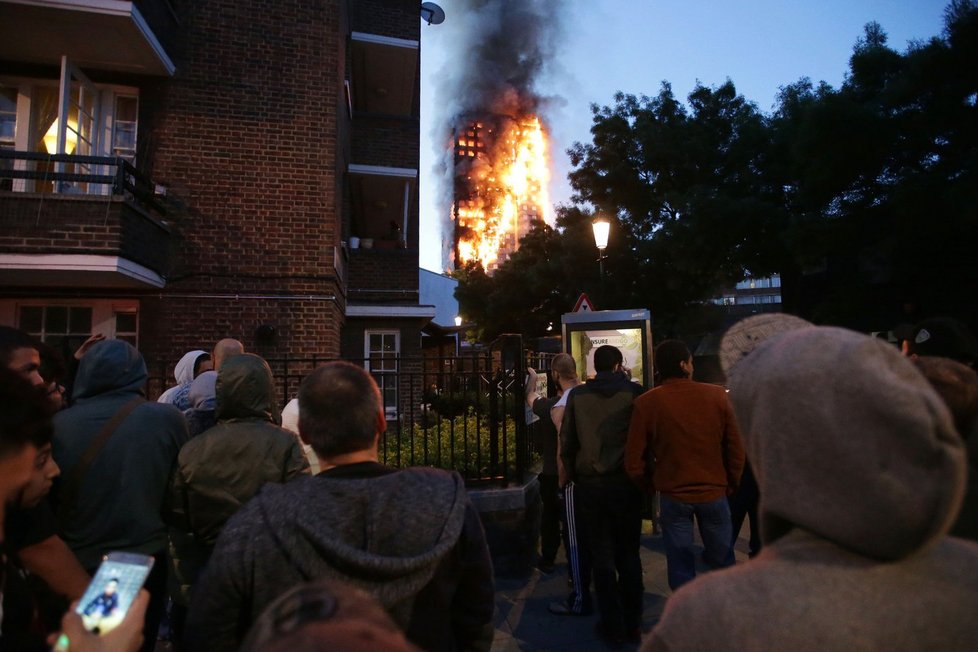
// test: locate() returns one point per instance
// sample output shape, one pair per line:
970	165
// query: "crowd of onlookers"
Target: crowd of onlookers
265	537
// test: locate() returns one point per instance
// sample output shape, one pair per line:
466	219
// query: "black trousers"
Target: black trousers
550	518
611	511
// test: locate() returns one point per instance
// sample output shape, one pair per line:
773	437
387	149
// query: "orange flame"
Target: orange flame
507	191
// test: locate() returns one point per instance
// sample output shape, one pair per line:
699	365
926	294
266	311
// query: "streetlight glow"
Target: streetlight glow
601	227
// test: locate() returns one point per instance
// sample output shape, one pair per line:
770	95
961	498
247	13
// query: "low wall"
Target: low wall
511	518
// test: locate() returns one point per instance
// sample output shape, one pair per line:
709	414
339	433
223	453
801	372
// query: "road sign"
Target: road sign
583	304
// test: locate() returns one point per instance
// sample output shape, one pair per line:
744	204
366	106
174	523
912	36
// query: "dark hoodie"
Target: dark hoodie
119	505
595	427
222	468
861	474
410	538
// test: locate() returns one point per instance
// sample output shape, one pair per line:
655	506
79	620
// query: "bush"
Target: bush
460	443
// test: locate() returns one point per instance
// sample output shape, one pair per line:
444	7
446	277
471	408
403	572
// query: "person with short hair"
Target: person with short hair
592	449
32	540
683	442
225	349
25	422
325	615
409	537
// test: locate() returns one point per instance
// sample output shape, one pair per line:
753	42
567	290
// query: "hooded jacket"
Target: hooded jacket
183	372
120	502
222	468
411	538
595	427
861	474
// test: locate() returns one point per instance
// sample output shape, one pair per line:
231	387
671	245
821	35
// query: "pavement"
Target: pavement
523	623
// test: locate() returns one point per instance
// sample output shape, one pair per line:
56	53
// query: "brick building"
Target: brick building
177	171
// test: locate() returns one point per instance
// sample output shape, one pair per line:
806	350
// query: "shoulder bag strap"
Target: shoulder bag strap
73	482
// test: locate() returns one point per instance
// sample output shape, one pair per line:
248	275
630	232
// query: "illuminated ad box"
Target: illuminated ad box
628	330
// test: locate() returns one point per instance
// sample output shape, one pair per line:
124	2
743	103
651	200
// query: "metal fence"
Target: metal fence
465	413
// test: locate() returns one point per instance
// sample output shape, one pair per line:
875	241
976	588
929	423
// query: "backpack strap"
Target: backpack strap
71	486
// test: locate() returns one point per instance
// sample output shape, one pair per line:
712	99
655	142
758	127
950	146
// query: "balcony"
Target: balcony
79	221
132	37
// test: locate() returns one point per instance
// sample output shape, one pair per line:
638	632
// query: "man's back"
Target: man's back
118	505
595	426
411	538
688	428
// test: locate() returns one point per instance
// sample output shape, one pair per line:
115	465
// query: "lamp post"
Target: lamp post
601	227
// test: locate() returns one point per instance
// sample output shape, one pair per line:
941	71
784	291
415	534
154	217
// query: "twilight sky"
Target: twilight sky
605	46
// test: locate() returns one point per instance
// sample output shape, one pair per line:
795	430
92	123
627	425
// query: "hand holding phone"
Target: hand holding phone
112	590
127	637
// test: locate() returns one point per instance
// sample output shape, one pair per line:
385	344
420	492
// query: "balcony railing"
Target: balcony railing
74	174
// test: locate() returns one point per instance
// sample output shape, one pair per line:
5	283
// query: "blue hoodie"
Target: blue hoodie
120	501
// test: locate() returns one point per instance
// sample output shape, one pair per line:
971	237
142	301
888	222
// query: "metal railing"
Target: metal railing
75	174
463	413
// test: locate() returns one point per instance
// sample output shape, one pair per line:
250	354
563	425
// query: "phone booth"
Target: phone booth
628	330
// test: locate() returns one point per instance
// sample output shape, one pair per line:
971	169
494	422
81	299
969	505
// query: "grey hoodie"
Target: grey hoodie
410	538
861	474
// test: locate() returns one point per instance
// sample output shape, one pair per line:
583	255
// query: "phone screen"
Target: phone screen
112	590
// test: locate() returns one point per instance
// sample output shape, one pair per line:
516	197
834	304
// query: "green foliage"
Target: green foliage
461	443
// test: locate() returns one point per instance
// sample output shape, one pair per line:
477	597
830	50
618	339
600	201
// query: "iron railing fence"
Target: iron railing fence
465	413
76	174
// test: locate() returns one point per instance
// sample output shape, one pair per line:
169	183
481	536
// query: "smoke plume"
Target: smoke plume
501	51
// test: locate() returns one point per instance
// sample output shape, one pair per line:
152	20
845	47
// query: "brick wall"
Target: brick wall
77	224
386	142
394	18
384	269
245	138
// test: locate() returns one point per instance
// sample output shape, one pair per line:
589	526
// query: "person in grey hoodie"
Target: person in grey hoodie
411	537
118	504
861	474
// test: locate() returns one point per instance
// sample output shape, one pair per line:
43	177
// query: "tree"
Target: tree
881	181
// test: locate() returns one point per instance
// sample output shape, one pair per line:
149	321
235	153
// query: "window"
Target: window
63	327
66	324
126	327
8	128
124	127
381	351
99	120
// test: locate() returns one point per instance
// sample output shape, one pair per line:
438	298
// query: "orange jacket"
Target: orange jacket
683	441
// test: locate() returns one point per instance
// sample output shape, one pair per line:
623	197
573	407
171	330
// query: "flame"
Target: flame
506	185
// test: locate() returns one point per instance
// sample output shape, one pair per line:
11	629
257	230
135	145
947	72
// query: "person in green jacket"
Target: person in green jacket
219	470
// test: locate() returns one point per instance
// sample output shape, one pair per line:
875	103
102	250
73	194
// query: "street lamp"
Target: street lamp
601	227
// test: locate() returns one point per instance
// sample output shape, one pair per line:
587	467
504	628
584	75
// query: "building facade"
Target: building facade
174	172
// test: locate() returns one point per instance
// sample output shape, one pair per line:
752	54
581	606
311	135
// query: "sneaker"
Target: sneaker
561	609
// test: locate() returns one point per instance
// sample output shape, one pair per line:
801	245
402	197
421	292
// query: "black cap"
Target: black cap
945	337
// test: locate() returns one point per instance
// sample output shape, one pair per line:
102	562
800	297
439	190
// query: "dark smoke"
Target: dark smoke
502	50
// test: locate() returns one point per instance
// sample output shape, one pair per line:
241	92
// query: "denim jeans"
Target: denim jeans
713	519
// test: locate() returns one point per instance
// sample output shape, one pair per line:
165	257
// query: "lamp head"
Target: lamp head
601	227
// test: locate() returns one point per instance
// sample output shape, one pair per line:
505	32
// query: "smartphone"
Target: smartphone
112	590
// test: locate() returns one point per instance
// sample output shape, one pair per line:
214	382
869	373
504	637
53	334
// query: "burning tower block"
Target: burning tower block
501	177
